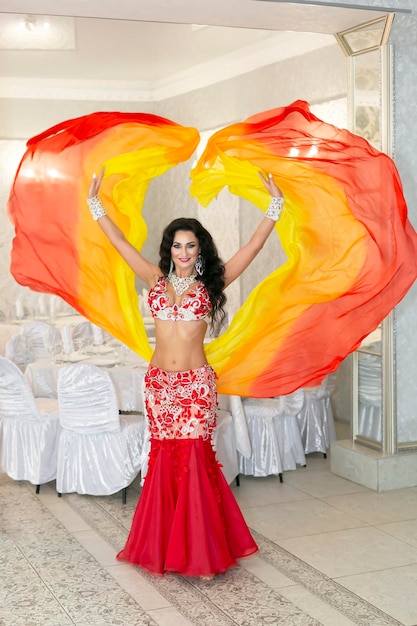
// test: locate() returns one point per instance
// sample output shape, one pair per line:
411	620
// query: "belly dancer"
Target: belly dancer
187	520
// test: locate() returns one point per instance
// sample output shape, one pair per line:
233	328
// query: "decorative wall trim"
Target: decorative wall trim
250	58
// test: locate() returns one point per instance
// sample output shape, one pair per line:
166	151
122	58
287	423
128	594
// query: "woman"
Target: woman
187	519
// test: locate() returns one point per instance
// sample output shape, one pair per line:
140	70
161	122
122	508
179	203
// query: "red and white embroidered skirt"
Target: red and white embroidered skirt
187	519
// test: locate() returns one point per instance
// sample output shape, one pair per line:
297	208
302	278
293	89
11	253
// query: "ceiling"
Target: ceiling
159	47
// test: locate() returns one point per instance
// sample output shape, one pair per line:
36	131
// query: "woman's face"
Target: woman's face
184	252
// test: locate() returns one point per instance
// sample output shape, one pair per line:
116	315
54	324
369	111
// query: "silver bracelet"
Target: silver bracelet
275	208
96	208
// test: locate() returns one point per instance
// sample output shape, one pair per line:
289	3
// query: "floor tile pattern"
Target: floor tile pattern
236	597
46	577
332	553
321	586
240	595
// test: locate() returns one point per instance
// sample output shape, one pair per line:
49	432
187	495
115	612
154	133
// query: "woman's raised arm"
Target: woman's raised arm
143	268
243	257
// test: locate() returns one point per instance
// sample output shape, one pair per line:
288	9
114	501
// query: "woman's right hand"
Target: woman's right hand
95	184
271	186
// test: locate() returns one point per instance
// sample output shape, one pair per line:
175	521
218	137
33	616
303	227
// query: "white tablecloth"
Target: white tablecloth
42	375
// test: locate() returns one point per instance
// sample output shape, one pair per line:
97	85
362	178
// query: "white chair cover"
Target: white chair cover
98	335
128	382
20	307
274	435
80	336
316	419
370	396
19	351
99	452
44	339
29	429
7	331
67	342
224	443
143	304
235	406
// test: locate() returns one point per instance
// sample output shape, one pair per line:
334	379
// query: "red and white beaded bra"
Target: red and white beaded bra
194	306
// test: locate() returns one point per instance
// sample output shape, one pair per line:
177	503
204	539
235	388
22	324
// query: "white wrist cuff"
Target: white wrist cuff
275	208
96	208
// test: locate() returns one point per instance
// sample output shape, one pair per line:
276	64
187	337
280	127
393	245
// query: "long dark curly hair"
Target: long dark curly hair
213	272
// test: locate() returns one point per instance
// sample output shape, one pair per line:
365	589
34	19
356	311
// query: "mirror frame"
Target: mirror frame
388	443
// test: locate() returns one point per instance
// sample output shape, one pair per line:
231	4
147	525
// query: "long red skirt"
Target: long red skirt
187	519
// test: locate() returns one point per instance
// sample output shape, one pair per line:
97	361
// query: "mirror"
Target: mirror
370	112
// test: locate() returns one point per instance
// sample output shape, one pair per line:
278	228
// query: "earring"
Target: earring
171	267
199	265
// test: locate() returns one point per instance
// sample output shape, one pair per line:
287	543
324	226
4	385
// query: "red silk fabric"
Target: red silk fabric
58	248
350	247
351	250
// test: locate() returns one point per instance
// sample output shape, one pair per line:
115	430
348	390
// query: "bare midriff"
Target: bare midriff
179	345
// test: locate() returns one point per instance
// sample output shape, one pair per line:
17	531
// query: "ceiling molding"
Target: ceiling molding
242	61
88	90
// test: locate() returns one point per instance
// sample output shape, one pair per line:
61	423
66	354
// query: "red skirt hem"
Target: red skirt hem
187	520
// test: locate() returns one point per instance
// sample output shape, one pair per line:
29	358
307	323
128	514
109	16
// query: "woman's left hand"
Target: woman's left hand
95	184
271	185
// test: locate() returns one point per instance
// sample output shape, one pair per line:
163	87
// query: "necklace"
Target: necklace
181	284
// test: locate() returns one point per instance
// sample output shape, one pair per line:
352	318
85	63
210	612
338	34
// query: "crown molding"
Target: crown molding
254	57
88	90
251	58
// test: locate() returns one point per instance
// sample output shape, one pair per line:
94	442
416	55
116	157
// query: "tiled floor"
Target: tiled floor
332	553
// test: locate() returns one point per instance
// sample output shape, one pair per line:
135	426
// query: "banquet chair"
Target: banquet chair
99	451
19	351
316	419
98	335
67	339
224	444
370	396
143	304
20	310
7	331
29	429
81	335
274	435
43	339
